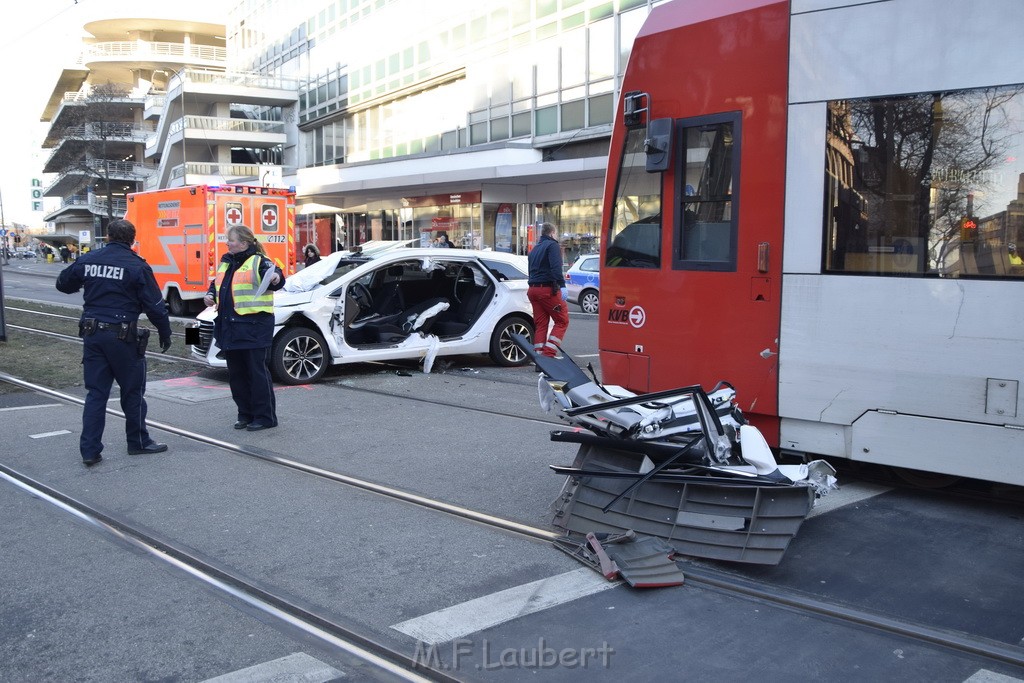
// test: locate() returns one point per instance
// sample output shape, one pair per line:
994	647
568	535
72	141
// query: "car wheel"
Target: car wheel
299	356
589	302
504	351
175	304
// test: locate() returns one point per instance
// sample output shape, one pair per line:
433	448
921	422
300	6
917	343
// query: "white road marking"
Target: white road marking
296	667
587	355
846	495
458	621
986	676
46	434
41	405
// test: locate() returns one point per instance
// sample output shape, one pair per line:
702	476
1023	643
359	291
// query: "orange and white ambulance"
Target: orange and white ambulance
181	233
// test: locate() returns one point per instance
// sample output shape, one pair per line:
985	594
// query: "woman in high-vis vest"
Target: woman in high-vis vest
244	326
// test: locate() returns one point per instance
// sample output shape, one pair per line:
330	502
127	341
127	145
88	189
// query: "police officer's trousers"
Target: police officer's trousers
106	359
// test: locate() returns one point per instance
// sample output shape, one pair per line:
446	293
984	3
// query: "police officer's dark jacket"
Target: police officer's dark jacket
545	260
119	285
233	331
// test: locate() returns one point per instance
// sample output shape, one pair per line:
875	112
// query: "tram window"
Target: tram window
925	184
635	237
705	238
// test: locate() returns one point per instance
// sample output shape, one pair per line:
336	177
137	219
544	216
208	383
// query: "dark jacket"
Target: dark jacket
545	261
232	331
119	285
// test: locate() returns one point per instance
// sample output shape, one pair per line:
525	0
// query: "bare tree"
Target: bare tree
927	156
103	124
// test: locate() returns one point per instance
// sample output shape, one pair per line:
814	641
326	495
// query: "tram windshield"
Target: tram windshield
635	227
929	184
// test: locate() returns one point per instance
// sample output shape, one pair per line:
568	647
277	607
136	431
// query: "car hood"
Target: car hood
286	298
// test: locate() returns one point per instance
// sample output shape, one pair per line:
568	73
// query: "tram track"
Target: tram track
700	576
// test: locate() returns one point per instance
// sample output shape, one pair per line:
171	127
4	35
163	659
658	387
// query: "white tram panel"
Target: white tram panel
904	46
925	352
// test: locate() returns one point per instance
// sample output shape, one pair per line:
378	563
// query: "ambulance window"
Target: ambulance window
634	240
270	218
705	234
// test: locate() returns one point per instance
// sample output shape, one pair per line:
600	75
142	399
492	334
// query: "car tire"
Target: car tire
589	301
504	351
299	356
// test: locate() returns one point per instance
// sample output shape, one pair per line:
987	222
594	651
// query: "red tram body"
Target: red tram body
785	209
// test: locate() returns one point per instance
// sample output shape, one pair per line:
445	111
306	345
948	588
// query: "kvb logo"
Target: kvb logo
635	316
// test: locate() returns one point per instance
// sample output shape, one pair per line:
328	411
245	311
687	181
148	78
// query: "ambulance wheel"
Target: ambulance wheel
175	305
299	356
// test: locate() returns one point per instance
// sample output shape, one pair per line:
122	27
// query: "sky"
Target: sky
34	46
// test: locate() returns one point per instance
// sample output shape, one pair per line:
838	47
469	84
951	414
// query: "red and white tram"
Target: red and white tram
820	202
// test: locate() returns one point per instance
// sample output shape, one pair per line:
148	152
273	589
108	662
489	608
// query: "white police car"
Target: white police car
402	304
583	282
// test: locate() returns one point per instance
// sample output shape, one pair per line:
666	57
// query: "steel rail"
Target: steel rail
709	578
323	628
67	337
64	317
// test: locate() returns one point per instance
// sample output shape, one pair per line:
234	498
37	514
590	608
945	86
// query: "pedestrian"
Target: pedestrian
311	254
244	326
442	241
545	293
65	253
119	285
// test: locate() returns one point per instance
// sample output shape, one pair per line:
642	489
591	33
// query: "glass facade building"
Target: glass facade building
475	118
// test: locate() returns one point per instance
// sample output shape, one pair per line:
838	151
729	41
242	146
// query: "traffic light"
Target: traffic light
968	229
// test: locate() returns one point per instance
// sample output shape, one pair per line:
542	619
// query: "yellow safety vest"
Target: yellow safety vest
243	285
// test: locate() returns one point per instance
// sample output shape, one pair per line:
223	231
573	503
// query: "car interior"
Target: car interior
430	296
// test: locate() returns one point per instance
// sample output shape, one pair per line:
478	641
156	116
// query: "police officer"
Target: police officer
119	285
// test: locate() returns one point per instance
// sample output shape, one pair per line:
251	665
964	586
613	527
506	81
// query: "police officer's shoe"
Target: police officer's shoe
93	461
255	427
241	424
151	447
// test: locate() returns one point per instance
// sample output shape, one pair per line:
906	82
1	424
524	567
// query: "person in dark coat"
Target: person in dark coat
311	254
119	285
244	326
545	293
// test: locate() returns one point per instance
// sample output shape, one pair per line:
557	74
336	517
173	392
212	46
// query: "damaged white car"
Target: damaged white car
402	304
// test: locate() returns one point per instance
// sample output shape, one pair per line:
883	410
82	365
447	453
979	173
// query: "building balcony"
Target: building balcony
75	139
98	169
146	54
80	203
202	173
217	130
235	87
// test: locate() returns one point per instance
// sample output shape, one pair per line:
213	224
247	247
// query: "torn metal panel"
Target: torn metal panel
682	465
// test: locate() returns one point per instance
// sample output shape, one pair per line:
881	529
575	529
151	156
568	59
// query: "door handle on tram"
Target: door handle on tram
763	253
